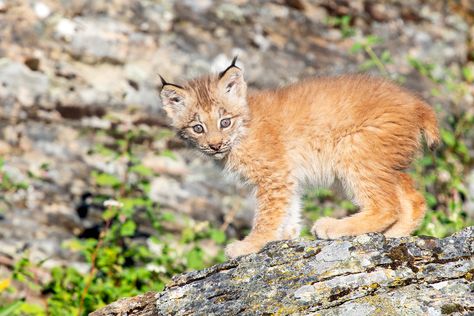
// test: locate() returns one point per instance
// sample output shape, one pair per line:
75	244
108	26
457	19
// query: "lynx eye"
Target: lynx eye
225	122
198	129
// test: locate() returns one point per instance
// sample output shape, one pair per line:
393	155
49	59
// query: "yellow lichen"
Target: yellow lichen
288	310
383	305
374	286
469	276
397	282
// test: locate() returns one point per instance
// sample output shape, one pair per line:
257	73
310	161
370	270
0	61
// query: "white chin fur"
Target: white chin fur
219	156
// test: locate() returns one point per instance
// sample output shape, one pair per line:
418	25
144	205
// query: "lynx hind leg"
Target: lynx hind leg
291	227
412	210
379	205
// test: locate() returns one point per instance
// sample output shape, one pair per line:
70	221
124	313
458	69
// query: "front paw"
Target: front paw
241	248
291	231
327	228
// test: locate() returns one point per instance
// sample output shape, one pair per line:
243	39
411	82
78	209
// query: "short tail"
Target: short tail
429	125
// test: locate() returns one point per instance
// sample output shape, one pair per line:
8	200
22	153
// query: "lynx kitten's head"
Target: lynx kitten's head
210	112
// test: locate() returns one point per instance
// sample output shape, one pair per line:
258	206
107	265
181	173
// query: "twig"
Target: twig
93	267
377	61
229	218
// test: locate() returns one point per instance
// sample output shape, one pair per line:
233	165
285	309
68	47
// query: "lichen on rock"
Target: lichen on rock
365	275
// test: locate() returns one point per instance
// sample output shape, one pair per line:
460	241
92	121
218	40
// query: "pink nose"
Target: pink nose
215	147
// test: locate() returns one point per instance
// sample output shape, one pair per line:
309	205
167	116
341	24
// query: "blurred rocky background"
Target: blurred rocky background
81	123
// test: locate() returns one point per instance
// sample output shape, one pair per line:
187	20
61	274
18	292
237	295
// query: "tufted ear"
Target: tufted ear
231	81
173	98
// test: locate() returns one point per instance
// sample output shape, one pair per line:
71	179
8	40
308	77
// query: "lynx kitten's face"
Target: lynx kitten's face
210	112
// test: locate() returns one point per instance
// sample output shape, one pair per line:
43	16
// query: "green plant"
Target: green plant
443	175
7	184
342	22
367	45
123	260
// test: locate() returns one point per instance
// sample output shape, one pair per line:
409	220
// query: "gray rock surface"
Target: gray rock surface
19	83
365	275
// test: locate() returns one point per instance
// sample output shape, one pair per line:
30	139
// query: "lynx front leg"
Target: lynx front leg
291	226
273	199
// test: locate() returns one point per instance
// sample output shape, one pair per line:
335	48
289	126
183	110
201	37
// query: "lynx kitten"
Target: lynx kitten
354	132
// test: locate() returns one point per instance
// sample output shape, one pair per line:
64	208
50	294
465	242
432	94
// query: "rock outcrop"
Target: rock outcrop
365	275
71	71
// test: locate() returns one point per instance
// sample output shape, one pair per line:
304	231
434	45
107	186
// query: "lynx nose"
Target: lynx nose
215	147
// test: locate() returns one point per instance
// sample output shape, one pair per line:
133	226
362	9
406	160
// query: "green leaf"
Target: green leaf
142	170
106	180
357	47
168	216
145	187
468	74
31	310
372	40
435	92
348	205
187	235
346	20
386	57
462	149
21	186
164	133
168	153
218	236
73	245
448	137
368	64
323	193
10	308
331	21
431	200
426	161
128	228
109	213
104	151
194	259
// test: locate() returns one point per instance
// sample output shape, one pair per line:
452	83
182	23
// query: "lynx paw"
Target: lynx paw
327	228
291	232
241	248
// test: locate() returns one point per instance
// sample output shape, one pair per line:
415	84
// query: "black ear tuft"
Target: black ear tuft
221	74
234	61
164	83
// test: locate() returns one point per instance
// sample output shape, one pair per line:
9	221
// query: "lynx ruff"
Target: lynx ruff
355	133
